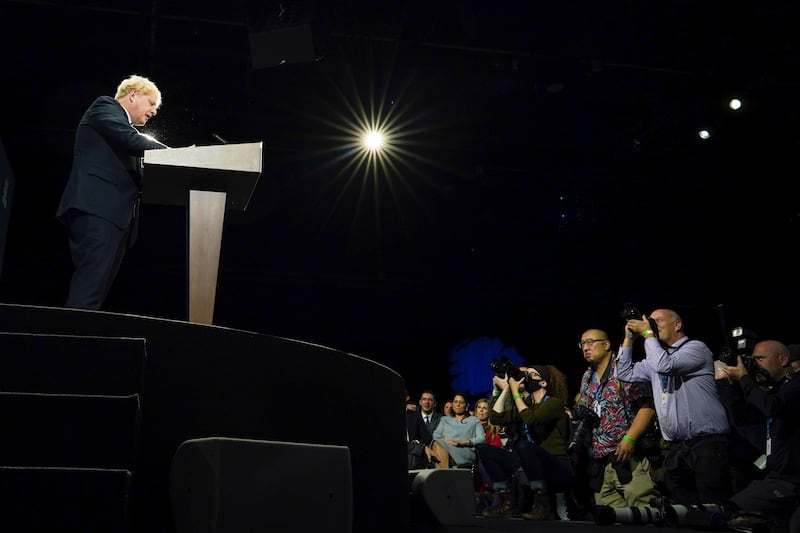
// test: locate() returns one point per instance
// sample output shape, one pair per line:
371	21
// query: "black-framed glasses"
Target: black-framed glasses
584	342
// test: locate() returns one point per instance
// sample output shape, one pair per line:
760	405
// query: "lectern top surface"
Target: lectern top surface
242	157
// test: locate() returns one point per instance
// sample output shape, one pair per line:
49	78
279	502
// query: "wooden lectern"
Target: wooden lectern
208	180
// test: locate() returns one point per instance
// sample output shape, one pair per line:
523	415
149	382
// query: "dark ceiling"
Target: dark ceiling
548	166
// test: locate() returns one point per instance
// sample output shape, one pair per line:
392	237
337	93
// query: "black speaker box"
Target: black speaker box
444	495
229	485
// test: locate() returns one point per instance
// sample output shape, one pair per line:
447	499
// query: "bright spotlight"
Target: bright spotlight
374	140
735	104
704	134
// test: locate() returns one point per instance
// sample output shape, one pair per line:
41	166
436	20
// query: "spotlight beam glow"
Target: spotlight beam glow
372	154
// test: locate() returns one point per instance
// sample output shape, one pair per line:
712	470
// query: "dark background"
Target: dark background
546	171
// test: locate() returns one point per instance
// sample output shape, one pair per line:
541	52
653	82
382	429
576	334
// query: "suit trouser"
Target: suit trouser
97	247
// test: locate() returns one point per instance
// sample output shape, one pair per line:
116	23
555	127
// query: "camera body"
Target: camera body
743	342
631	312
504	366
585	421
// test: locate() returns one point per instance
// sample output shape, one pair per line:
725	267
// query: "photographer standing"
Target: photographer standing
532	408
619	471
680	371
775	496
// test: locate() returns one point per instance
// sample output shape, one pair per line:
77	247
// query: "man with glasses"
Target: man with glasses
619	472
690	414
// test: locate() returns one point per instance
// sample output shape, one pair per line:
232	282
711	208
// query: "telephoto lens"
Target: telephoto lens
701	515
606	516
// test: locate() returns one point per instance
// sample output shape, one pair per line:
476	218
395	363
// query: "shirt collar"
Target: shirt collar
127	114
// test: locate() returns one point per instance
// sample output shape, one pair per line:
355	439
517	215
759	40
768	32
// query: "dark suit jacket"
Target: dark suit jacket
435	417
106	169
416	427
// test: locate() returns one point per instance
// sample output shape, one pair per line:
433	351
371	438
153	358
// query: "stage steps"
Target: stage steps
71	432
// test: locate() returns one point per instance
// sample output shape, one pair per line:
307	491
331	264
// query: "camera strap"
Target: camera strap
599	385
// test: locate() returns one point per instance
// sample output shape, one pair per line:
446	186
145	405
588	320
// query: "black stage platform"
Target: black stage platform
165	382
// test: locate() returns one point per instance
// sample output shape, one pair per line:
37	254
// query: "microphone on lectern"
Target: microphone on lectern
220	139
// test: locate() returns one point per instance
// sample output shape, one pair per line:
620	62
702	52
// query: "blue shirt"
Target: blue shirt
684	390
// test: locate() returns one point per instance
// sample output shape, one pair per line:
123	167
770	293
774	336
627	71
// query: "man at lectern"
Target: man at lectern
100	203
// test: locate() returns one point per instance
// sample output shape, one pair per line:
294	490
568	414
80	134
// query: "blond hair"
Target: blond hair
139	84
491	429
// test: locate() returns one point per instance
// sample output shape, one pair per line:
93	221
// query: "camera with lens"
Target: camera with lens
631	312
743	342
585	421
504	366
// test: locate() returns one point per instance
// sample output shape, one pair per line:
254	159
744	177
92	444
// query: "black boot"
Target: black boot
542	510
505	507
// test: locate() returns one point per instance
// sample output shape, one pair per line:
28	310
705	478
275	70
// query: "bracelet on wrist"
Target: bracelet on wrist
495	392
629	439
646	333
517	396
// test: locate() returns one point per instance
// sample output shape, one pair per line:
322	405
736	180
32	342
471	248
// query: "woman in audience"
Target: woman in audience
455	438
493	438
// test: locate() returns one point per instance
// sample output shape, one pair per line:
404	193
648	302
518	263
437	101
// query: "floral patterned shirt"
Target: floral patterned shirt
616	403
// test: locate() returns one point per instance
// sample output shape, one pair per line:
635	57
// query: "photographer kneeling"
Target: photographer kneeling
531	405
773	499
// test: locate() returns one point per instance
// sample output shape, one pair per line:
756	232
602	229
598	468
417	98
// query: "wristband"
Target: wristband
646	333
495	393
517	396
627	438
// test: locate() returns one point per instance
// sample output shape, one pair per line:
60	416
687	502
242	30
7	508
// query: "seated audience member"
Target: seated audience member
533	411
482	408
410	404
420	454
775	391
493	438
456	436
447	409
427	405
